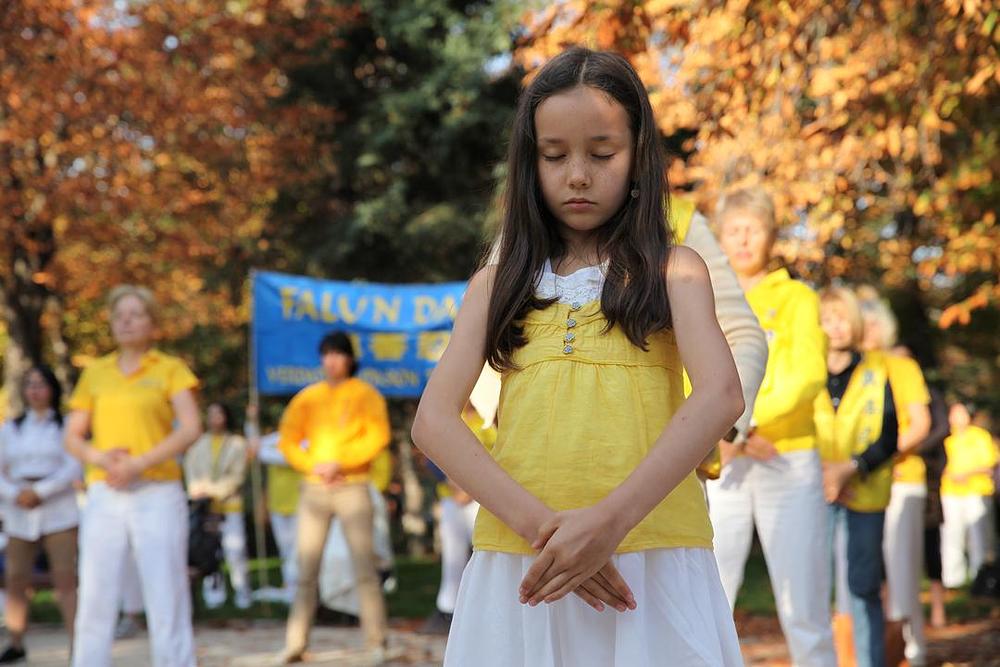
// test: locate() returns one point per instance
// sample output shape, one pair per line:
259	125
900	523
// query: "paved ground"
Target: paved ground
255	644
248	644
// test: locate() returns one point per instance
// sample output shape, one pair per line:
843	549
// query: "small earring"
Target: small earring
635	193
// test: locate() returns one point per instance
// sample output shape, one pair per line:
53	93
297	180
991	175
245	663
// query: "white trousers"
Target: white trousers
966	523
903	552
783	497
151	518
234	546
455	528
284	527
131	586
337	584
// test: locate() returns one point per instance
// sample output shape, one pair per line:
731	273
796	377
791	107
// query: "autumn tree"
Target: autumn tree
874	124
145	142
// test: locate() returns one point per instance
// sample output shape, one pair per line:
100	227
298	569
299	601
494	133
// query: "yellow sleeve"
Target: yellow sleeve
798	372
292	432
992	453
375	434
83	397
907	382
181	378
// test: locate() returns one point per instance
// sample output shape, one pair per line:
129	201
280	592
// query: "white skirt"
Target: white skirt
682	617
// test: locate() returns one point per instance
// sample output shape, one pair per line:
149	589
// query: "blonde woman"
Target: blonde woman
138	406
903	544
772	480
857	432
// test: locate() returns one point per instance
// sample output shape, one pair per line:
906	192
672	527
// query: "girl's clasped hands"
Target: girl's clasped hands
575	548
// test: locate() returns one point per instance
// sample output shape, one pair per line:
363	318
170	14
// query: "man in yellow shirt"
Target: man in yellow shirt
331	432
966	496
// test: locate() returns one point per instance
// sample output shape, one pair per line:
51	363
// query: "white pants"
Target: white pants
234	546
966	521
455	527
151	518
784	498
284	527
131	586
903	551
337	585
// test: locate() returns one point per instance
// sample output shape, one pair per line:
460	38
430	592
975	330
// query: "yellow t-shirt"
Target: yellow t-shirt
132	411
347	424
282	490
972	448
581	411
908	387
788	312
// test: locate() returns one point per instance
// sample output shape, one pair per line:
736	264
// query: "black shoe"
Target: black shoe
438	624
13	654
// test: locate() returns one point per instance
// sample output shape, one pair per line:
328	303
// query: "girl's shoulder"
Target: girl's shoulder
480	286
685	265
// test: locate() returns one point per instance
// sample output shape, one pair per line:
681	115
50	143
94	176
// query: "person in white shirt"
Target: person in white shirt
39	505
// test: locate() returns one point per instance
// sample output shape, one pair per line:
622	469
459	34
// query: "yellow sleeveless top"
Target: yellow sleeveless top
853	427
580	413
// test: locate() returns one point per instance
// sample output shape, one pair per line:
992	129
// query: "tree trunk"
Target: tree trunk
57	342
25	296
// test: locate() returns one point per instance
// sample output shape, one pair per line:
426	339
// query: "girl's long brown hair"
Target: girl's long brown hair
635	241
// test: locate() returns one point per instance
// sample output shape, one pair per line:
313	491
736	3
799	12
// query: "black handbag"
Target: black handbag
204	539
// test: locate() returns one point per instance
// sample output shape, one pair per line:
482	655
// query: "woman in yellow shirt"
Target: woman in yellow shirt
966	497
772	480
903	546
139	408
215	468
856	431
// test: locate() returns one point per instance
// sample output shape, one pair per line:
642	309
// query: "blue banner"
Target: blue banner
398	331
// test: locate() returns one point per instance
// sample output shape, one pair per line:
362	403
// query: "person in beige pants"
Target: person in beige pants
331	432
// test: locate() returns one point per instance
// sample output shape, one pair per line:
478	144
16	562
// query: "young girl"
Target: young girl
590	315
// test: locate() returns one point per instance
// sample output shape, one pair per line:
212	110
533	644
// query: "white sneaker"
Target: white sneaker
213	591
243	600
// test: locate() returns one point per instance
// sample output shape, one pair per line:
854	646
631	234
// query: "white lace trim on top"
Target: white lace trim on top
580	287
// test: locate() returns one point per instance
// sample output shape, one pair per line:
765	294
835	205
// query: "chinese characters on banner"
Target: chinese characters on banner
399	331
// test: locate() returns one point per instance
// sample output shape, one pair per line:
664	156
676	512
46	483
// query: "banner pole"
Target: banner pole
256	486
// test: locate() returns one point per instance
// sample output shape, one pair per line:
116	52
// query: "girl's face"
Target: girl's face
584	156
836	325
747	241
216	418
130	322
37	393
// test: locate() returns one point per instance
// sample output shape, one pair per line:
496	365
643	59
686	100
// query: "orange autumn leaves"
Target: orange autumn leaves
874	124
146	142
